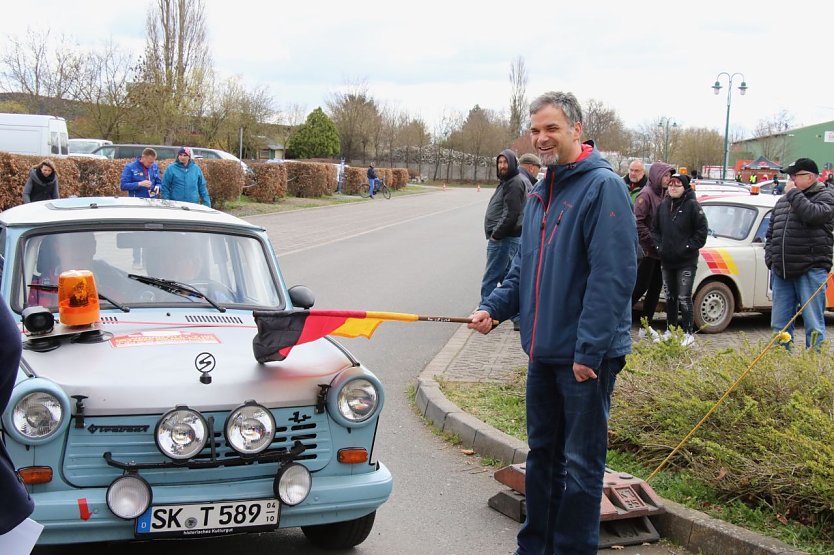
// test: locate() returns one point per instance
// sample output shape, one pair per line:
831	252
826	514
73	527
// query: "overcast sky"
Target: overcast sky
645	59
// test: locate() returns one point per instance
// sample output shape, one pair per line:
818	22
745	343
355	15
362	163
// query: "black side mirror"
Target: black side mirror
302	297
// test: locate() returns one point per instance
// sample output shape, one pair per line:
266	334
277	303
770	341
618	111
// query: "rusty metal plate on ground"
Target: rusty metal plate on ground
624	496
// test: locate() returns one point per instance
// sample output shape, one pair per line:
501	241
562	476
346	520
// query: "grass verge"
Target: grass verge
502	406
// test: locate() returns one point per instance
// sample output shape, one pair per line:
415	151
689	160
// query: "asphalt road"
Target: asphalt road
419	253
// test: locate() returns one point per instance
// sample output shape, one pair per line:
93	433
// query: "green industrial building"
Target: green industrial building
814	141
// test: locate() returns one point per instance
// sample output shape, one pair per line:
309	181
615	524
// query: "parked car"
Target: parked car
140	412
732	276
86	146
215	154
127	151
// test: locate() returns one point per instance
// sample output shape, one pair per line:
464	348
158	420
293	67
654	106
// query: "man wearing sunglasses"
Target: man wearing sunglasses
798	250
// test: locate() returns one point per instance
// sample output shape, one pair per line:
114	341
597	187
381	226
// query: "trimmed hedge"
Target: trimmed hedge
87	177
270	182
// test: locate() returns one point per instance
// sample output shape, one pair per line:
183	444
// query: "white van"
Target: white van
33	134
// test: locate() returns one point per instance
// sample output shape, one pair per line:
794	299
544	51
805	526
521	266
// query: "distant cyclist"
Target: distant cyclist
371	180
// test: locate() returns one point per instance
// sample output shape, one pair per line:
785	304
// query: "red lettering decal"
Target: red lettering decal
84	510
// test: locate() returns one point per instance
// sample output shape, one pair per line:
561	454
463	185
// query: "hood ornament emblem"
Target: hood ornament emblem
205	363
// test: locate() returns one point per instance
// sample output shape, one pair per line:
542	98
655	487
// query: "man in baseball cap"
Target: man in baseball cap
528	166
798	251
802	165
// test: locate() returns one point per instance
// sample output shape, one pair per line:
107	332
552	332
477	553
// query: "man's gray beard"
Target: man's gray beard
549	158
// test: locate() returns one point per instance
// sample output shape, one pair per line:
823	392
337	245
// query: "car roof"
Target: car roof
117	209
762	201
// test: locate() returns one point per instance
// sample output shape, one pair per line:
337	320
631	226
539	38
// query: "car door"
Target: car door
763	294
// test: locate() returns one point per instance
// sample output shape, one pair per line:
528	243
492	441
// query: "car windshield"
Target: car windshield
82	147
229	269
729	220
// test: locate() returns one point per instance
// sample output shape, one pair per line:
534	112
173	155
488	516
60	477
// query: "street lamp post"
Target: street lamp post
717	87
666	135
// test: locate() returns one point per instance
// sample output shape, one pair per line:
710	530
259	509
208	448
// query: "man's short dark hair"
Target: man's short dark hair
149	152
566	102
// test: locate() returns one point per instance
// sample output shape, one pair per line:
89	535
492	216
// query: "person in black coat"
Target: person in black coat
42	183
679	231
16	505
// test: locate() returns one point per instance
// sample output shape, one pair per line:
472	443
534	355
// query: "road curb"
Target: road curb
694	530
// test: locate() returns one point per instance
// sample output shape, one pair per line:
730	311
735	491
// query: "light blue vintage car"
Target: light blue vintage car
156	420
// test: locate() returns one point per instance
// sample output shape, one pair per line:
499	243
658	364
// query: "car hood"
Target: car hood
150	365
721	243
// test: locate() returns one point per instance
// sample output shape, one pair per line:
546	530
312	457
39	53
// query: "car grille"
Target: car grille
131	439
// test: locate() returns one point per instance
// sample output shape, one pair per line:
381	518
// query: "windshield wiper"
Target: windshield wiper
101	296
176	288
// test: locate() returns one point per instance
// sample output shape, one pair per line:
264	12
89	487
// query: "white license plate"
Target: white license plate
209	519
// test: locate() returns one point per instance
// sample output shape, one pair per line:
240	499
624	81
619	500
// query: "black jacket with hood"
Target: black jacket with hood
799	236
506	207
680	230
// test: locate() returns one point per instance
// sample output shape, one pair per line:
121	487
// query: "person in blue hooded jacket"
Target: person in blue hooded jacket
140	178
183	180
571	282
17	505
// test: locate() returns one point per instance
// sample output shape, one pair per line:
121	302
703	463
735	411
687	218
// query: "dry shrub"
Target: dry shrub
101	178
770	443
14	171
306	179
270	182
354	179
400	178
331	178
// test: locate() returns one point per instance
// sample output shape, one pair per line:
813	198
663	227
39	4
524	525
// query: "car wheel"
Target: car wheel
714	307
340	535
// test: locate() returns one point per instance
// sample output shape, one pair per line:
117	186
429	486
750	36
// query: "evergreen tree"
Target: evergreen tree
316	138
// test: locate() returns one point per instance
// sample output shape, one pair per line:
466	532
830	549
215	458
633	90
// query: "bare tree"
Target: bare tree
176	66
518	96
699	147
604	126
356	114
42	68
102	89
772	133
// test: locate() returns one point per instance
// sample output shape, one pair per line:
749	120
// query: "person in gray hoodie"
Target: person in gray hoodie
649	275
42	183
502	221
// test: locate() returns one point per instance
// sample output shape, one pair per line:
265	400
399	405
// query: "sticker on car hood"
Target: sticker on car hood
155	338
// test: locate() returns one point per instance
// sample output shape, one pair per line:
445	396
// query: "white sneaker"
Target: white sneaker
688	339
641	334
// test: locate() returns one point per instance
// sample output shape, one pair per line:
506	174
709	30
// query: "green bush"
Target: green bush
770	443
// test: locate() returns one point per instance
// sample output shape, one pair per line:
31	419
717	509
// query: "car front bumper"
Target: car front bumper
331	499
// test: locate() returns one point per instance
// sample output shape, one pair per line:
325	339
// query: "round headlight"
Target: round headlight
250	428
37	415
292	484
358	400
181	433
129	496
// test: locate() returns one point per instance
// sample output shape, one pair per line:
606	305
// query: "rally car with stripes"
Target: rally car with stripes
732	276
141	410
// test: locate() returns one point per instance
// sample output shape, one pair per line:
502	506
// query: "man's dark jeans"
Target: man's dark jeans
567	428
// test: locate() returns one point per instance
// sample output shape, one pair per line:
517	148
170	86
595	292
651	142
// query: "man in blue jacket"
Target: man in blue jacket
571	282
140	178
183	180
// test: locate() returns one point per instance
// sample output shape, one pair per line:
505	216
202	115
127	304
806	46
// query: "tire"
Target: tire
364	190
340	535
714	305
386	192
